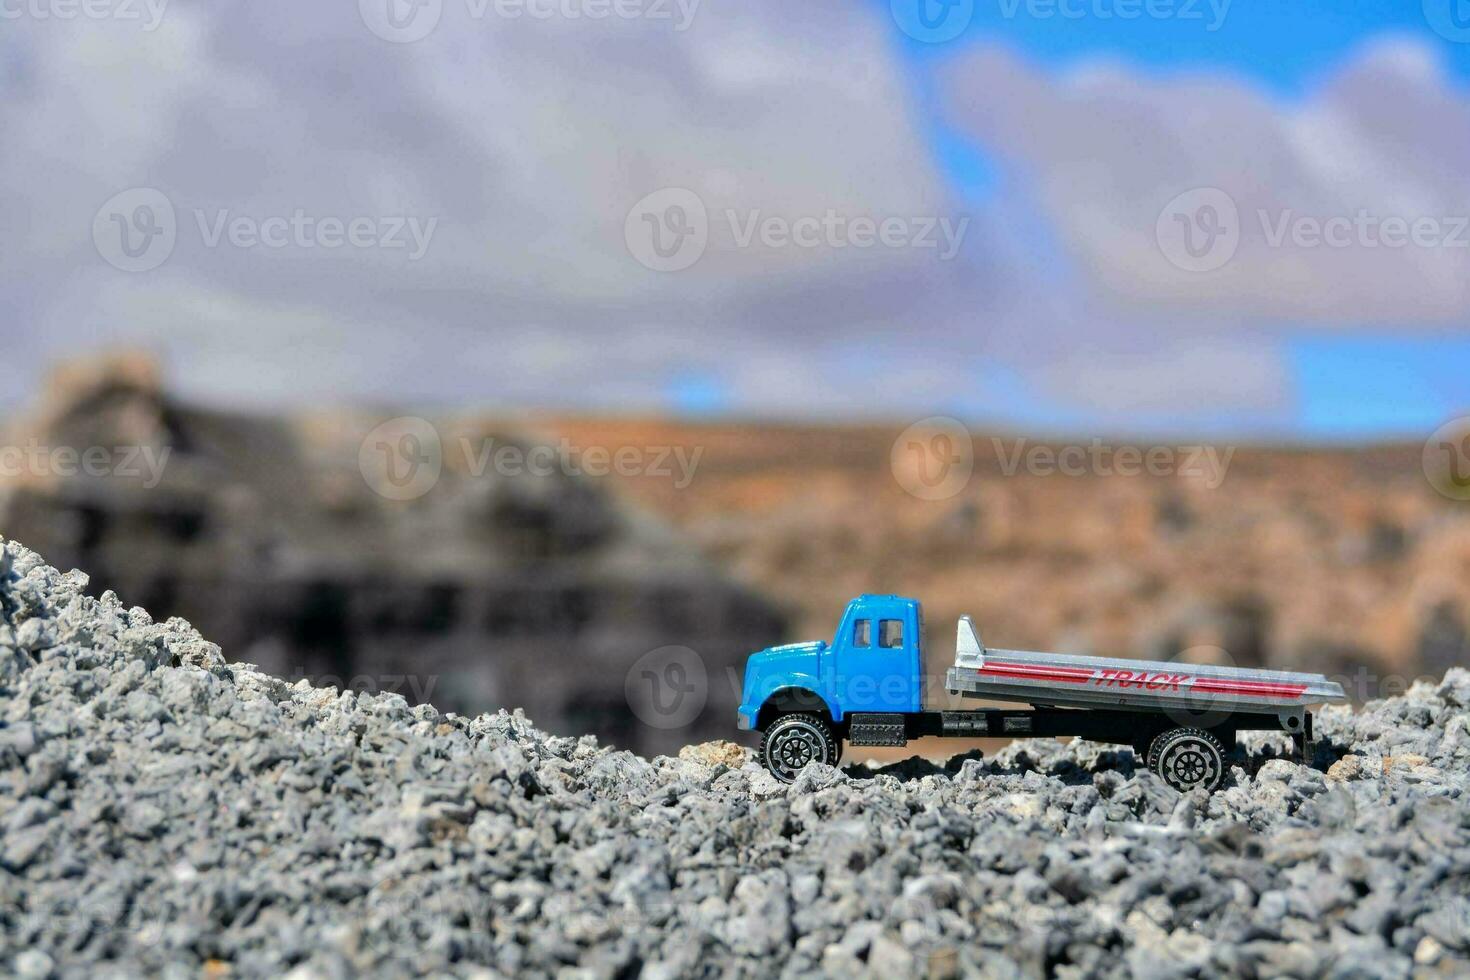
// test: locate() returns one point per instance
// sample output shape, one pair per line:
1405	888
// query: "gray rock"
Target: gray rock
166	812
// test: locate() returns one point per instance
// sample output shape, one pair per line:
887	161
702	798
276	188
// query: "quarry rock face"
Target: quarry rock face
1341	560
164	811
491	585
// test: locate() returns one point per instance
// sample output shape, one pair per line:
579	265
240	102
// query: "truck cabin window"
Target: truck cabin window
860	631
890	633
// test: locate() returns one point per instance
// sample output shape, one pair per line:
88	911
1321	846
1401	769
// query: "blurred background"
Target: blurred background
560	353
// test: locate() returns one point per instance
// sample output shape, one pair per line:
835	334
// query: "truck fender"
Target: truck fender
801	693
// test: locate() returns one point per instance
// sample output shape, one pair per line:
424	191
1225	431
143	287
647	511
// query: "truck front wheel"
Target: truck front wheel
1188	758
791	741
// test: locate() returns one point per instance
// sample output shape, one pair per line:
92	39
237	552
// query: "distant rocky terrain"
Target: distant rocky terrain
167	812
298	545
503	587
1343	560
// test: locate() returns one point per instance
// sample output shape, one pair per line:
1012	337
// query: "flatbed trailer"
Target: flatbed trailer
866	688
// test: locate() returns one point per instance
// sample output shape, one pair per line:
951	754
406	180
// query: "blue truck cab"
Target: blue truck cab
873	664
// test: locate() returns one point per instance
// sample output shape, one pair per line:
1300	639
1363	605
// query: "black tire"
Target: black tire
1188	758
1151	754
792	741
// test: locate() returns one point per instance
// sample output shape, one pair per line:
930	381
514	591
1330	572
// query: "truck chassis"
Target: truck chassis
1184	756
1133	728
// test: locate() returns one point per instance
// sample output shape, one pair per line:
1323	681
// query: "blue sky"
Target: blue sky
1370	381
1378	383
1283	46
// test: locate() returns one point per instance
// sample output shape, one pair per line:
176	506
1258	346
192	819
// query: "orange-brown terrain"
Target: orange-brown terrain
1340	560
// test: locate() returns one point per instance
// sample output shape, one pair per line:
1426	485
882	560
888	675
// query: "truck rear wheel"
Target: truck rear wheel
1188	758
792	741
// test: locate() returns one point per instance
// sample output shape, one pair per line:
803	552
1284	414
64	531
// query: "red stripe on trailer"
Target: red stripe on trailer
1070	675
1249	685
1210	685
1038	668
1029	676
1201	685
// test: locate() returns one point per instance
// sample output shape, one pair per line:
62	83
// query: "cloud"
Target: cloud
1381	146
526	142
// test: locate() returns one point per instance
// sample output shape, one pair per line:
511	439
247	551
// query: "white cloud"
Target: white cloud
1106	149
529	140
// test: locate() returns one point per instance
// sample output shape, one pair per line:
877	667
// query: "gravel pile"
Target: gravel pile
164	811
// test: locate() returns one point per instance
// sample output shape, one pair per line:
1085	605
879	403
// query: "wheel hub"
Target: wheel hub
796	749
795	745
1189	766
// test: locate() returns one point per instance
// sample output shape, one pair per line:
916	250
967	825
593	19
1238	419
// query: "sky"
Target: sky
1183	216
1375	379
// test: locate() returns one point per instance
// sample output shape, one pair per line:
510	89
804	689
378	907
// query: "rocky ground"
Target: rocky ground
165	811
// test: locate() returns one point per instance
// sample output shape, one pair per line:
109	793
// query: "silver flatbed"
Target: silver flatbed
1062	680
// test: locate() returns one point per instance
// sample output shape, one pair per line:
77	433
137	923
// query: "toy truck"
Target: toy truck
867	687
